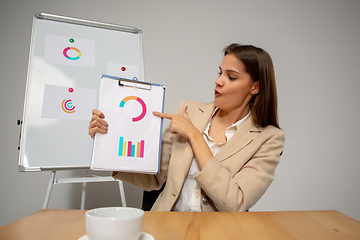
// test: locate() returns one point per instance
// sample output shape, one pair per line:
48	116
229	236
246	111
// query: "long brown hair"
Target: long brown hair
259	65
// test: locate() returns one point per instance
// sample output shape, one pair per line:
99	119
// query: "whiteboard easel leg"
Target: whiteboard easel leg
48	192
83	196
122	193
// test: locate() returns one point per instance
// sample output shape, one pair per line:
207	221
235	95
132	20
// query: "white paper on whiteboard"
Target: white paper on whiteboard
69	51
68	103
123	70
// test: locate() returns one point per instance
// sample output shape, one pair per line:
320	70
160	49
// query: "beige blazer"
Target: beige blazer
233	180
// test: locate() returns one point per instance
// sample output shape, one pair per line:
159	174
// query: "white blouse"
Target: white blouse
189	199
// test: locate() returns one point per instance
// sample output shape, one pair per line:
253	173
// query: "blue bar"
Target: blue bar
133	150
121	146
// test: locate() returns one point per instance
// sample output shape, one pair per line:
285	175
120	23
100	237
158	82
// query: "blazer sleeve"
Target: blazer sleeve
150	182
240	191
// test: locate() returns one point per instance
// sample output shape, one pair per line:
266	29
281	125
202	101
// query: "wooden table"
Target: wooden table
70	224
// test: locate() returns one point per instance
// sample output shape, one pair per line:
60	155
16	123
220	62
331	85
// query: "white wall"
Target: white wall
314	46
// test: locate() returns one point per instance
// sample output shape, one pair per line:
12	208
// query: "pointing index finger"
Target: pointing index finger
163	115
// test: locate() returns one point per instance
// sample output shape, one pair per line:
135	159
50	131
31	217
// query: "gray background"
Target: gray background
314	46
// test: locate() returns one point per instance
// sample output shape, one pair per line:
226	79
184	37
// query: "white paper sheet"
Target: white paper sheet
70	51
123	70
68	103
133	141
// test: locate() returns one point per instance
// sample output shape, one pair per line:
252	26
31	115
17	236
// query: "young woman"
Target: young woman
219	156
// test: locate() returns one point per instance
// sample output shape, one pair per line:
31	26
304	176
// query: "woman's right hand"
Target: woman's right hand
97	123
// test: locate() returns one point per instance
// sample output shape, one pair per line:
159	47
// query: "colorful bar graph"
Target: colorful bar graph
128	149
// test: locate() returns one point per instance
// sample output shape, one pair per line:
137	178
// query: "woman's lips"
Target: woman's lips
217	93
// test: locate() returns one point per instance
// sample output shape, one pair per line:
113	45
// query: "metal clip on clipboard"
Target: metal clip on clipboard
134	84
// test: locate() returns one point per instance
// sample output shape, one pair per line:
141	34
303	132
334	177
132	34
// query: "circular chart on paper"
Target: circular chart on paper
68	105
67	55
133	108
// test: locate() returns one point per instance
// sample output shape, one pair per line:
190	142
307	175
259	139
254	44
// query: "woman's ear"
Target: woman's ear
255	88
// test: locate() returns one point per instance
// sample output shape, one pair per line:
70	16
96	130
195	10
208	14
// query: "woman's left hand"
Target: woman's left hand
180	124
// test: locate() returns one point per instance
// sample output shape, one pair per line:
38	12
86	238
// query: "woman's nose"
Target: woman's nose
219	81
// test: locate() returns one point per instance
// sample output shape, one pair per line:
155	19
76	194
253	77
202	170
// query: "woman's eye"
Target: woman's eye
219	73
232	78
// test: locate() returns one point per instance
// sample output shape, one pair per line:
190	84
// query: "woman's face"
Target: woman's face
234	86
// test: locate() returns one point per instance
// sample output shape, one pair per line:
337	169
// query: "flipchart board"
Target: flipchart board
67	59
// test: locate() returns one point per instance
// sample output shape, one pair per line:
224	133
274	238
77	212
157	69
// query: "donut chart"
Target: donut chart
67	106
72	58
142	103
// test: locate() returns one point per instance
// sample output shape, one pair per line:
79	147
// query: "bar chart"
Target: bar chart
130	149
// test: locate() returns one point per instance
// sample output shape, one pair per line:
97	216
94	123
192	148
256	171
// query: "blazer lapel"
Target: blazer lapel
239	140
201	116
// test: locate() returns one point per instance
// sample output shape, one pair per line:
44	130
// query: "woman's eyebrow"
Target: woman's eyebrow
229	70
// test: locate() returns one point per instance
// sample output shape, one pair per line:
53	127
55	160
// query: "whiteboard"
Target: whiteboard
67	59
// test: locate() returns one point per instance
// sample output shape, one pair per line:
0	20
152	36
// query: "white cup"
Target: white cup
114	223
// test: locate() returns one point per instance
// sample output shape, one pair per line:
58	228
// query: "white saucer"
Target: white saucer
143	236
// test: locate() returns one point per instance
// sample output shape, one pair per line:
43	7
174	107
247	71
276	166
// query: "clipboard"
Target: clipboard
133	141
